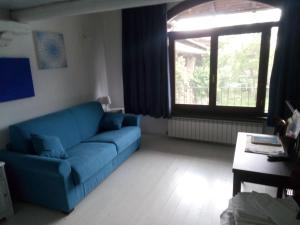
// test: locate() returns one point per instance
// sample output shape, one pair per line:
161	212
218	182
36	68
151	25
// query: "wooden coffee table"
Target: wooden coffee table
255	168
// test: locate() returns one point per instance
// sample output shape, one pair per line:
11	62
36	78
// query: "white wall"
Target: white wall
55	89
152	125
112	27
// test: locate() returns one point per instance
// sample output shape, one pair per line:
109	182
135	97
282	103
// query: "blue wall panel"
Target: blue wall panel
15	79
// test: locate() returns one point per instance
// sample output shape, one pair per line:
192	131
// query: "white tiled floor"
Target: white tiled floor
169	181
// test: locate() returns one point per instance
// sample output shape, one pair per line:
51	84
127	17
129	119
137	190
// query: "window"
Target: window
192	73
221	61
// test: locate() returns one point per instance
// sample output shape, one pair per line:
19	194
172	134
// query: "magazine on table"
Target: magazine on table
270	145
266	140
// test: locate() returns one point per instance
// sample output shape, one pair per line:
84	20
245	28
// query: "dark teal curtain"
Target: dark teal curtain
145	61
285	79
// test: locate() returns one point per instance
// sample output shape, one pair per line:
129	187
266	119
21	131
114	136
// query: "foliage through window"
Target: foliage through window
238	63
221	61
192	71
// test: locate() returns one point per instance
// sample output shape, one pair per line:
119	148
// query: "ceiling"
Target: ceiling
23	4
30	10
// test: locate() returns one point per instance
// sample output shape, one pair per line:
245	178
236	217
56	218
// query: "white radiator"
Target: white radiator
218	131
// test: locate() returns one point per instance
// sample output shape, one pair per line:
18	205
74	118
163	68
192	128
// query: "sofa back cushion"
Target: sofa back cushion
111	121
60	124
68	125
88	117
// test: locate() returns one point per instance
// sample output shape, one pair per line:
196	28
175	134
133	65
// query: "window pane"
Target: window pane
238	63
273	43
192	62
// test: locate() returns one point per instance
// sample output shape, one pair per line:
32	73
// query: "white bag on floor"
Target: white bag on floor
260	209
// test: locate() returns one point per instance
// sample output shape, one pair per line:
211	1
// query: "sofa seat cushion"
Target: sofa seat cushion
87	159
121	138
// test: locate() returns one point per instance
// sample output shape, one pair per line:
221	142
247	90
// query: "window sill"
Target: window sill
223	116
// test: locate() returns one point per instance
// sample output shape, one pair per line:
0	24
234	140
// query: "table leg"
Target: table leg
236	184
279	192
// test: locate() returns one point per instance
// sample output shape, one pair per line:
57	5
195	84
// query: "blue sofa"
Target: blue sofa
61	184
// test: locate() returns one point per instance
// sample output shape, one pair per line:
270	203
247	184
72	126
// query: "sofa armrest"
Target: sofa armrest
44	165
41	180
131	120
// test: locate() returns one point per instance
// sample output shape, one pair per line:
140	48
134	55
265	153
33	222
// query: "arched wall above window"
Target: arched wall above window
187	5
204	14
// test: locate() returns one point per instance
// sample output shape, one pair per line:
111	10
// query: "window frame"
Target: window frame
213	110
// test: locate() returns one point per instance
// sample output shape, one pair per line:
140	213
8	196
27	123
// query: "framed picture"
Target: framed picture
50	50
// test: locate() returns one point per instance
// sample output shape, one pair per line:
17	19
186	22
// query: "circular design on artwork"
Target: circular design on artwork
50	50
